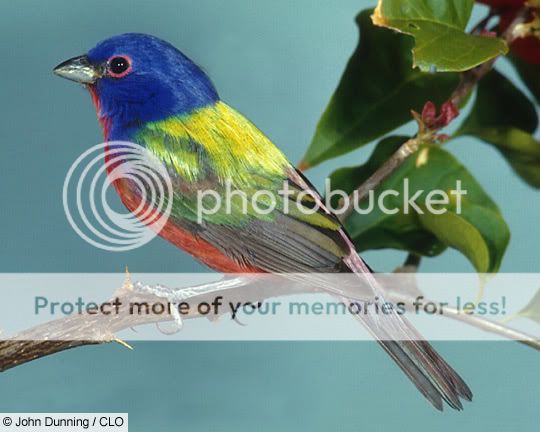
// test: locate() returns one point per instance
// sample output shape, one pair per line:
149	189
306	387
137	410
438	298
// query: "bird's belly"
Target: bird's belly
182	238
202	250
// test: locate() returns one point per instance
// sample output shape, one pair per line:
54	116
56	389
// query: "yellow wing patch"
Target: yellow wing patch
235	147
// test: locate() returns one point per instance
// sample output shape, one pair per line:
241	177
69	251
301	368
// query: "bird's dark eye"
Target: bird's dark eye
119	66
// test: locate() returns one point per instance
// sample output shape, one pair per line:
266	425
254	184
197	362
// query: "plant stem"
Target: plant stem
412	261
384	171
475	321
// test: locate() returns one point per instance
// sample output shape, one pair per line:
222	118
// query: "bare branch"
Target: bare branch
475	321
70	332
63	334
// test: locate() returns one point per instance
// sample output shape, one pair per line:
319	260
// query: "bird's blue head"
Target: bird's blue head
136	78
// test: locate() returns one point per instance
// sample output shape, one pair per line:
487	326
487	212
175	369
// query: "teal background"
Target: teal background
278	62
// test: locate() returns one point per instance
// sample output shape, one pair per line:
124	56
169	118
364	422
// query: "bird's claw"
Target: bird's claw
178	324
171	296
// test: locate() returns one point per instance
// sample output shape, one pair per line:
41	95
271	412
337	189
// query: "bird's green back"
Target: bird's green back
214	145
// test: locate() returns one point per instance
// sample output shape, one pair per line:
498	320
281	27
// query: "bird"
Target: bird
148	92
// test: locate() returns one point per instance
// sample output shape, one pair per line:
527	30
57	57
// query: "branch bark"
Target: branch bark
92	329
87	329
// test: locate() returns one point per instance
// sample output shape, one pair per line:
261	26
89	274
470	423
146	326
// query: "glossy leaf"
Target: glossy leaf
477	229
530	74
479	233
438	28
505	118
375	95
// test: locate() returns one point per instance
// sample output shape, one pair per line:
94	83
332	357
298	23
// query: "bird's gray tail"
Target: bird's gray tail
428	371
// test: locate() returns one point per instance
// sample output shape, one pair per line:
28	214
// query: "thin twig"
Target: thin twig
411	264
409	292
484	324
491	327
413	261
383	172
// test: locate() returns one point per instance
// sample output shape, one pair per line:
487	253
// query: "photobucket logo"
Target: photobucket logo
92	176
390	201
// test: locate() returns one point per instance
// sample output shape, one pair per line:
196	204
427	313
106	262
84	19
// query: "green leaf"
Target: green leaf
476	233
461	235
529	73
504	117
438	29
477	229
532	310
375	95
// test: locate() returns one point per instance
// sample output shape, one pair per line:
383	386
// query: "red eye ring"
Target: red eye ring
118	66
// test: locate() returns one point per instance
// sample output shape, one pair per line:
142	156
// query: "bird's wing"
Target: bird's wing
217	149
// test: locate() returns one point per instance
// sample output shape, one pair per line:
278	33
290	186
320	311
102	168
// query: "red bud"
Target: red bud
433	121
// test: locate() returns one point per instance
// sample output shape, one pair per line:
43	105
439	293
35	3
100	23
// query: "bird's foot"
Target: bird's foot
172	297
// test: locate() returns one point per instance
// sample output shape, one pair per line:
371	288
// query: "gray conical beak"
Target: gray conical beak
78	69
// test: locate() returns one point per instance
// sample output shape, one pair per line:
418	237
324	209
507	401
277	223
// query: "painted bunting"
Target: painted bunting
149	93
